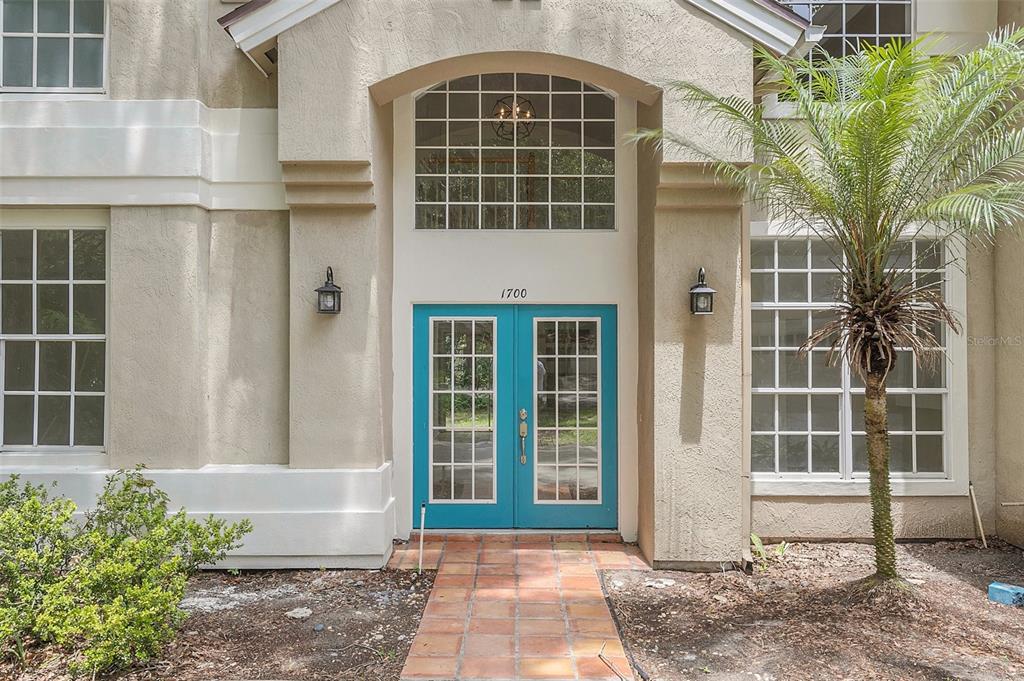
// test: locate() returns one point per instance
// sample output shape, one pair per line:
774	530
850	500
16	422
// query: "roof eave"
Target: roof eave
254	26
765	21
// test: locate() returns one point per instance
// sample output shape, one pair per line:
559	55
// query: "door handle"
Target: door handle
523	429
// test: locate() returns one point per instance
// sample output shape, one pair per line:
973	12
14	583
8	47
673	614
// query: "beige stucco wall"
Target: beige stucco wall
198	347
247	345
955	25
325	101
174	49
337	403
829	517
333	93
1011	12
697	374
1009	339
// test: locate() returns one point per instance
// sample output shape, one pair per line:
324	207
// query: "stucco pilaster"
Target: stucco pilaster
697	373
339	365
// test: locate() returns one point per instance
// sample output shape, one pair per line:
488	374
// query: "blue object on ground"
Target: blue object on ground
1007	594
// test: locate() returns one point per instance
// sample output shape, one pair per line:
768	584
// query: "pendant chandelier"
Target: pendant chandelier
513	118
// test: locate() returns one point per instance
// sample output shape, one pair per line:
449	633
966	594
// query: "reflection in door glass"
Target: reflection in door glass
567	405
462	401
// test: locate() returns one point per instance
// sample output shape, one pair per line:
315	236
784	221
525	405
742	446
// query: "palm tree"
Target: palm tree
884	144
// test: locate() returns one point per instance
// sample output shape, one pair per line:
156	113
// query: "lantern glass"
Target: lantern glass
702	296
328	296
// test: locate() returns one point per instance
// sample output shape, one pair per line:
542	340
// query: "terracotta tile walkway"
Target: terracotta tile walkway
525	606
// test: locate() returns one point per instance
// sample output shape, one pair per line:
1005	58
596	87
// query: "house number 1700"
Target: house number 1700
513	293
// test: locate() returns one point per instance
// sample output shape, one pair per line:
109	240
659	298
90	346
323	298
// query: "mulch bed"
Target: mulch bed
361	627
801	618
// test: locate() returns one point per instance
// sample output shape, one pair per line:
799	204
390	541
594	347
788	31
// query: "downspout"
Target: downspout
745	499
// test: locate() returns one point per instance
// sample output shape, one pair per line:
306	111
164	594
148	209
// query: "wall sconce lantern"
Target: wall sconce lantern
328	296
702	296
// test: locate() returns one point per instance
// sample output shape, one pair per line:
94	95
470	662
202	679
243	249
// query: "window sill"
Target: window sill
51	458
901	487
54	96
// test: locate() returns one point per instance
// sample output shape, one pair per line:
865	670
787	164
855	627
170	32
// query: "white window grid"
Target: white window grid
587	179
917	381
71	34
74	339
840	38
474	392
572	469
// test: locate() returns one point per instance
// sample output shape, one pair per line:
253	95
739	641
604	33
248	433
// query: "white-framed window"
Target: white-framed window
567	394
849	24
806	417
53	338
52	45
515	151
462	408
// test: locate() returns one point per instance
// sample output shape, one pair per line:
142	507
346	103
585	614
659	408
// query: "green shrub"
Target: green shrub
106	589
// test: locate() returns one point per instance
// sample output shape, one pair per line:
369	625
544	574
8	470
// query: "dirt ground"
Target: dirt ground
798	619
361	626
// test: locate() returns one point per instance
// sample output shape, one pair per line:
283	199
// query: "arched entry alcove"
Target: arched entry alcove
571	274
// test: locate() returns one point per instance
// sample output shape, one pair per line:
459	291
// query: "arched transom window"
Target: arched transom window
515	151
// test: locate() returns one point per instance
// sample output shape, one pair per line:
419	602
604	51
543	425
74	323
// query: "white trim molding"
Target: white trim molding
302	518
138	152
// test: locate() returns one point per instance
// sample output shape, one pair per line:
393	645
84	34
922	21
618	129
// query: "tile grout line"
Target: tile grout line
570	639
470	602
516	631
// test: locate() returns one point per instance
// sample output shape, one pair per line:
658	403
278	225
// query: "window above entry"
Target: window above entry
52	45
515	151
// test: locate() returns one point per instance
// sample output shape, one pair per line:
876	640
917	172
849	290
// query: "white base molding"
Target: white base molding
138	153
302	518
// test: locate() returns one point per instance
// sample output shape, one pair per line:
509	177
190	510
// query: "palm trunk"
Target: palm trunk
876	425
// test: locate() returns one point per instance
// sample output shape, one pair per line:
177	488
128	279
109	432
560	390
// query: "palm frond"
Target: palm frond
887	143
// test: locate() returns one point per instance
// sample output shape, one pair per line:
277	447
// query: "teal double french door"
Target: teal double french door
515	416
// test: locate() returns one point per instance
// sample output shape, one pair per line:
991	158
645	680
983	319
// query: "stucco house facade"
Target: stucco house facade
513	346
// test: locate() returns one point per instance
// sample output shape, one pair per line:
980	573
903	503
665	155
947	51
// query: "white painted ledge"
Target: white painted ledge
901	487
138	152
310	518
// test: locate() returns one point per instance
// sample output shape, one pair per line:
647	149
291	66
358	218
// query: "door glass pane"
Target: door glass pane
567	397
463	409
